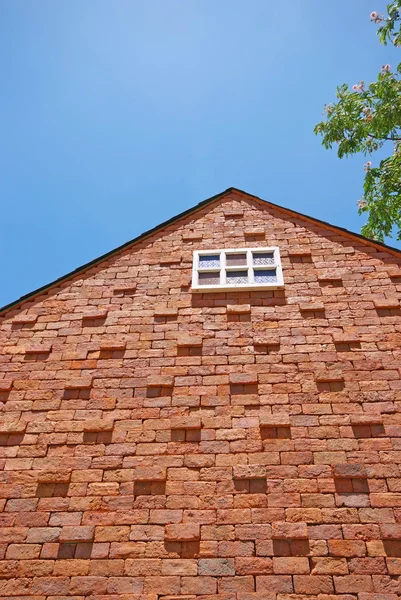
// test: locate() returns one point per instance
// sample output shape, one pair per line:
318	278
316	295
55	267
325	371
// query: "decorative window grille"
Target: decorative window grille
242	268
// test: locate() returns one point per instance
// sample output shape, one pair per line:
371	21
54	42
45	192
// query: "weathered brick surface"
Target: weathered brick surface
158	444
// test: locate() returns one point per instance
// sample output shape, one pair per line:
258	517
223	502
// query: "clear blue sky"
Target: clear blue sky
116	115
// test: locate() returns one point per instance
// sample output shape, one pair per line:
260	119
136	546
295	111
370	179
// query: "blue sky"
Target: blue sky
115	116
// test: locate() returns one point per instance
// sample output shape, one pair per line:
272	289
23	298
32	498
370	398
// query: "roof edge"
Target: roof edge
149	232
351	234
95	261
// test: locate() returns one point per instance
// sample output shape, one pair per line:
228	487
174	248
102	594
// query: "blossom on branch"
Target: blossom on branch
376	17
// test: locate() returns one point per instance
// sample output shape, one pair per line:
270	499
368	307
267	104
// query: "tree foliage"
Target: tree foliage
366	118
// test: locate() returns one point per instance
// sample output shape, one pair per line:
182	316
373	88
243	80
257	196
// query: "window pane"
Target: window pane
209	260
236	259
209	278
237	277
263	258
265	276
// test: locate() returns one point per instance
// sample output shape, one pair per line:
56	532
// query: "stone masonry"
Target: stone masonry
157	444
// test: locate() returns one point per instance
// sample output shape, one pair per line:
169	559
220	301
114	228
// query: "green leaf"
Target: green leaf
364	119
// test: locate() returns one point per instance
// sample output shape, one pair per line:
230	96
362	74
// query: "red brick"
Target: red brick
393	566
77	534
368	596
349	470
182	532
88	585
52	586
79	383
42	534
274	583
253	566
367	566
311	306
117	533
329	566
143	516
390	532
12	427
386	302
254	596
198	585
238	309
313	584
143	567
353	584
71	568
283	565
275	420
189	340
126	585
160	380
25	318
216	566
169	585
23	551
184	567
98	425
235	585
6	385
347	548
289	530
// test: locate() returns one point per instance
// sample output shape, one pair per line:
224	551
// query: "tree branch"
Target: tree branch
384	137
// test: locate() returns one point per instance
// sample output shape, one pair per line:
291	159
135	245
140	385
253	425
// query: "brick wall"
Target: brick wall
158	444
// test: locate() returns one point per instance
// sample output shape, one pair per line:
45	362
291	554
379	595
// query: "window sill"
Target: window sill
236	288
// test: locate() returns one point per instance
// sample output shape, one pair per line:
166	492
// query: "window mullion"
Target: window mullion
195	270
249	264
223	277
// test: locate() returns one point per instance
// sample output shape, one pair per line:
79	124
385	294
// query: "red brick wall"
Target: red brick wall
158	444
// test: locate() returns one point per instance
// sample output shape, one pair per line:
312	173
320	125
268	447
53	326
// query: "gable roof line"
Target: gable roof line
193	209
347	232
95	261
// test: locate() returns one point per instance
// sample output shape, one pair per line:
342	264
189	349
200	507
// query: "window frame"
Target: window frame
249	266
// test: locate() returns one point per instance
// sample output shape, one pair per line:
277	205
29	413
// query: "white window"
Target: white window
239	268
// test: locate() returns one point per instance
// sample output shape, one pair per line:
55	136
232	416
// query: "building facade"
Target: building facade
210	412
